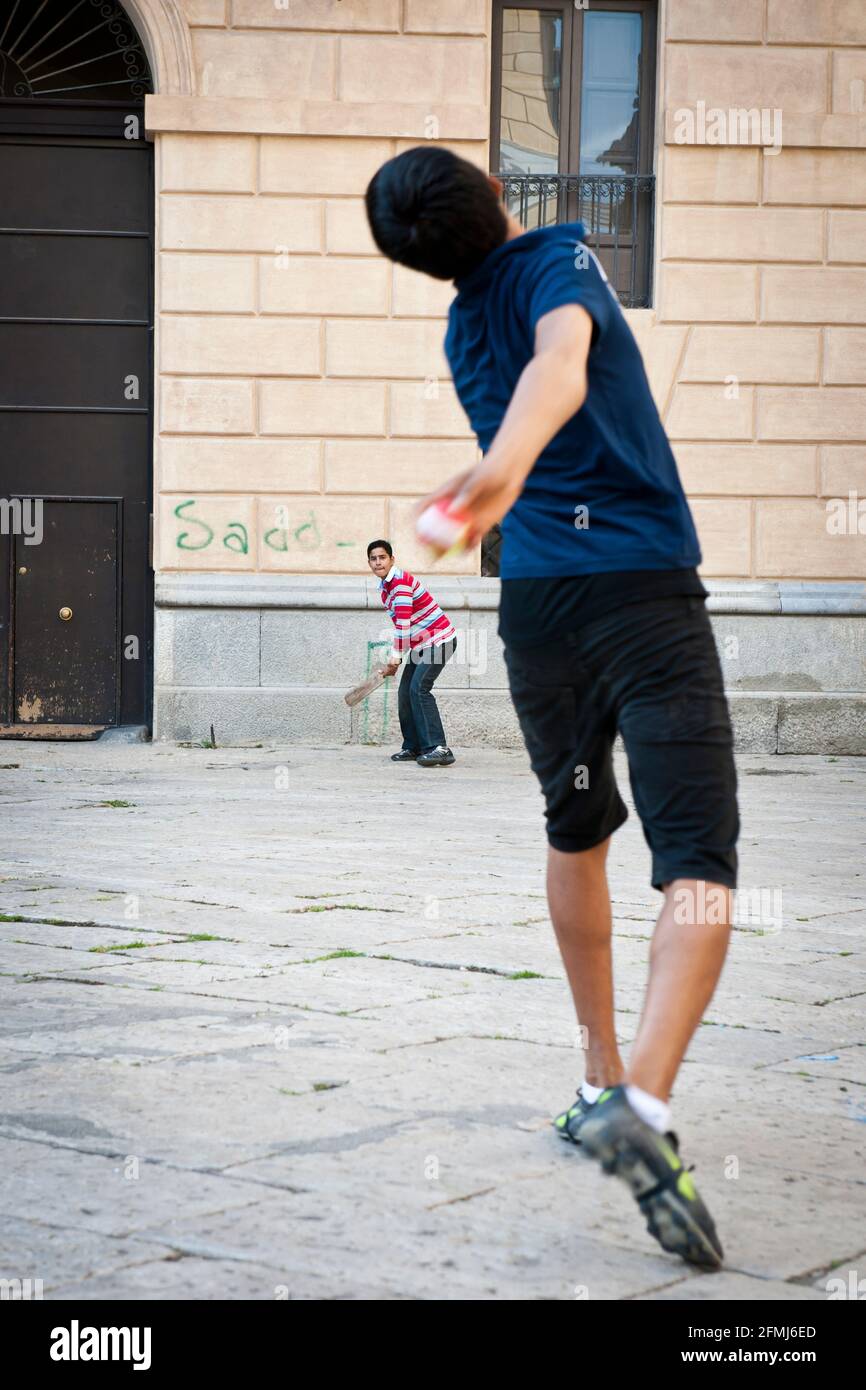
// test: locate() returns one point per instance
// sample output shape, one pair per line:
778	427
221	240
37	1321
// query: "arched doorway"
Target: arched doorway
76	334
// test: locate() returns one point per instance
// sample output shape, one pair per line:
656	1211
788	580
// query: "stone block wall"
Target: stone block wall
303	400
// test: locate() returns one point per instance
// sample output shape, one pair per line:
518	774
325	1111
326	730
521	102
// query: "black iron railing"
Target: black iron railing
616	211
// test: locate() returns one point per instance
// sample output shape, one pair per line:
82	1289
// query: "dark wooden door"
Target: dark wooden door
76	315
65	656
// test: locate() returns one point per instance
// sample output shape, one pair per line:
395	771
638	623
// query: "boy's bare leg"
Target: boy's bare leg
686	960
579	901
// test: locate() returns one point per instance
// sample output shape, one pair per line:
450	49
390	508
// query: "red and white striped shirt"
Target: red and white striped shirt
419	620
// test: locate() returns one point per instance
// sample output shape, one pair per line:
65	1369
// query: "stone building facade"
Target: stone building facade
302	397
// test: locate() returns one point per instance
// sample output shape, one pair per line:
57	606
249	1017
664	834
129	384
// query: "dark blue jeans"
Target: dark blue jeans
420	722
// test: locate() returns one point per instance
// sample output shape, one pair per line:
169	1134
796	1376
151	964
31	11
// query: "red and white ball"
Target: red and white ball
443	529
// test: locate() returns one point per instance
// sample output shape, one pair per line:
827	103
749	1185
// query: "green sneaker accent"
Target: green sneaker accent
686	1187
673	1160
605	1095
569	1122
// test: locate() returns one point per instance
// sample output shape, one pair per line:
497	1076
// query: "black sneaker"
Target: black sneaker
404	756
568	1124
437	757
630	1149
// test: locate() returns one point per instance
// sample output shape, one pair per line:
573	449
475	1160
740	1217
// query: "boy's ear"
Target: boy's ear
496	185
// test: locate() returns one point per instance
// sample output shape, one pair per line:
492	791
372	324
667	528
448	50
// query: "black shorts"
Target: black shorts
651	672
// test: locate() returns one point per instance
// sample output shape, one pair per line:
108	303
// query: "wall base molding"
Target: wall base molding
817	596
268	658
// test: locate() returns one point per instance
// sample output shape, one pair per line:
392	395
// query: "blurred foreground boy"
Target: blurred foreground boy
603	620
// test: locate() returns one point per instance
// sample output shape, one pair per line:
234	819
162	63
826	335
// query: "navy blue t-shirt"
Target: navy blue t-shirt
605	494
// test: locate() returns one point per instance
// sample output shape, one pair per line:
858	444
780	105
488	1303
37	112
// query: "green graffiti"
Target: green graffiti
311	525
182	541
381	734
237	541
305	541
305	536
277	531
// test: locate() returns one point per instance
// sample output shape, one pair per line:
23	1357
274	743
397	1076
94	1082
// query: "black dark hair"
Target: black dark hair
374	545
433	211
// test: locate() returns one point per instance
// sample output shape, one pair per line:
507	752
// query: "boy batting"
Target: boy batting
603	622
425	636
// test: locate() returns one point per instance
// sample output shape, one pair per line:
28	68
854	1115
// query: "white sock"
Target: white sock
590	1093
654	1112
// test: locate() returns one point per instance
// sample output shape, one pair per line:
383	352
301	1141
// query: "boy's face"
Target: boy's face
380	561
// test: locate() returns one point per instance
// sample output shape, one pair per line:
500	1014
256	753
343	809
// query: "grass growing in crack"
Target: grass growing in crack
45	922
525	975
338	907
121	804
124	946
204	936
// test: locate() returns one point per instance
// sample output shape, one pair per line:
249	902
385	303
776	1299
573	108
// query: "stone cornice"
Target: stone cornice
784	597
255	116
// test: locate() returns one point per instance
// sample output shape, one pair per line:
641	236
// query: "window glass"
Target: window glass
529	131
610	93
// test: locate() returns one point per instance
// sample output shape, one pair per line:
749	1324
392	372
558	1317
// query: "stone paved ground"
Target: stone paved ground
253	1043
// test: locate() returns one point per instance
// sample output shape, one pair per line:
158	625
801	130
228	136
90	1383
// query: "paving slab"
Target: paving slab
290	1023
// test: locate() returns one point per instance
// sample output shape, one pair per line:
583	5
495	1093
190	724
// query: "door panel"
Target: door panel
88	187
76	316
45	452
65	589
71	364
75	277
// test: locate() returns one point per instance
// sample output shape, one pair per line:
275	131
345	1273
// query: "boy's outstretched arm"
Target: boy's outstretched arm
552	387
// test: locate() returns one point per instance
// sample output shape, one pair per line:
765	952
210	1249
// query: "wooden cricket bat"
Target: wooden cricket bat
360	692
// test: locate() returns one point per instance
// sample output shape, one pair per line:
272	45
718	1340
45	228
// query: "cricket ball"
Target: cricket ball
443	529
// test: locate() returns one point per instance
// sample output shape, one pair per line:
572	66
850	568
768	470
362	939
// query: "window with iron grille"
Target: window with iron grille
70	50
572	125
572	112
